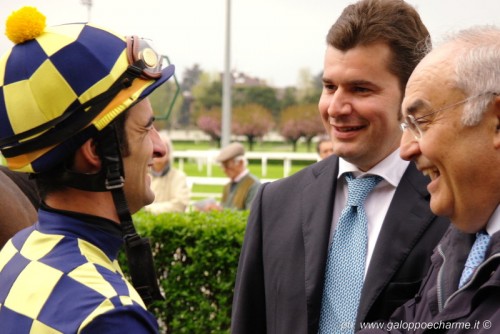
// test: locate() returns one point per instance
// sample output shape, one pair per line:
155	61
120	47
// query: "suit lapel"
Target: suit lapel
317	198
410	206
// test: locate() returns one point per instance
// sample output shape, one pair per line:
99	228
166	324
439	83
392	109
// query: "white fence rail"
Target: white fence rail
212	181
207	158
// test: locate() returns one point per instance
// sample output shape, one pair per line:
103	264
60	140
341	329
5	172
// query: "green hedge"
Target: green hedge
196	257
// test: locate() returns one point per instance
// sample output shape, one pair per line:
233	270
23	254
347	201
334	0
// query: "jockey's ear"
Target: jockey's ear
87	159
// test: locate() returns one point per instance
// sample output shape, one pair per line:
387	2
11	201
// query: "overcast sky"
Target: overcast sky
270	39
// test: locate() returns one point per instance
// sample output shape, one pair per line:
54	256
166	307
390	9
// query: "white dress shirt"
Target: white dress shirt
391	169
493	225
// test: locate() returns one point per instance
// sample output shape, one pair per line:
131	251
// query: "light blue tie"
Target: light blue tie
476	257
345	266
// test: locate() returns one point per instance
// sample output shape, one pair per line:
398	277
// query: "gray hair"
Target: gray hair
477	69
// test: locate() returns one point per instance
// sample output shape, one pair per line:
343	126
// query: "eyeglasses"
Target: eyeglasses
141	54
414	124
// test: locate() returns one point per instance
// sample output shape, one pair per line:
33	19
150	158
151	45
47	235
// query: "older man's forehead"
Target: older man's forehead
412	106
415	98
429	80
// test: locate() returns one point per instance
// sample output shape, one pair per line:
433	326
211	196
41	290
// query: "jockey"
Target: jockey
75	113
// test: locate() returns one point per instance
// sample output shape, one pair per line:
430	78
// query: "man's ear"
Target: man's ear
496	112
87	158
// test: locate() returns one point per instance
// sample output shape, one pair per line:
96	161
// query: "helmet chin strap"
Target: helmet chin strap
138	250
111	178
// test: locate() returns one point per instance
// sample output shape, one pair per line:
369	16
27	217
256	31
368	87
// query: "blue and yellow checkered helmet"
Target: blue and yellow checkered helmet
61	87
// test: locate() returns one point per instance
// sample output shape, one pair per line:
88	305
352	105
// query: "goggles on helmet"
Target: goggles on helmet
140	53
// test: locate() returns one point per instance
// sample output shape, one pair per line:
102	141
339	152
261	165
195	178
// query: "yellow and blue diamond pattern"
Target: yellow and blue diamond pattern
57	72
38	289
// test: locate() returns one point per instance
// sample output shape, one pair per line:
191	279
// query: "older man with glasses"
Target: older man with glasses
452	114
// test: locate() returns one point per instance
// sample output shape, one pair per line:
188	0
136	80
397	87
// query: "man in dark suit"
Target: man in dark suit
280	284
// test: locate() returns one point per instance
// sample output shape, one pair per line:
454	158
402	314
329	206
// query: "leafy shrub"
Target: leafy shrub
196	257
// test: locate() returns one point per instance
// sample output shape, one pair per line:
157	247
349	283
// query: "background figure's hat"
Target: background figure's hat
231	151
61	85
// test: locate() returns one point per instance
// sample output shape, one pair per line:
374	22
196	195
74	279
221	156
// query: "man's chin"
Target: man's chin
150	198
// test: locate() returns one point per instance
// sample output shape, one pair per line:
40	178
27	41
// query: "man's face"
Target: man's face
232	168
325	149
461	160
144	144
360	104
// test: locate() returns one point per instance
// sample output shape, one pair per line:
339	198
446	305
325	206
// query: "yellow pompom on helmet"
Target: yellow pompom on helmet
61	85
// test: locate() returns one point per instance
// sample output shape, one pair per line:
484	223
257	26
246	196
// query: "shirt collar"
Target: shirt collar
241	175
391	168
494	222
101	232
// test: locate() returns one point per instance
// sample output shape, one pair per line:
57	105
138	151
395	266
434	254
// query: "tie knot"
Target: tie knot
476	256
482	241
360	188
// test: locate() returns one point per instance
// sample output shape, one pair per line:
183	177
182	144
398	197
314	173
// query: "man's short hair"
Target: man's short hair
392	22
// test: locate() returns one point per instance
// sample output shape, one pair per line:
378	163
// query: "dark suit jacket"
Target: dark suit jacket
281	270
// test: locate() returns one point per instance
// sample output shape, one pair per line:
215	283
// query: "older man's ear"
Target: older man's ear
496	111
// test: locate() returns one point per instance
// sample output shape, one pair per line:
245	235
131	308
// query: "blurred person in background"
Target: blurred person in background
239	193
169	184
324	147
